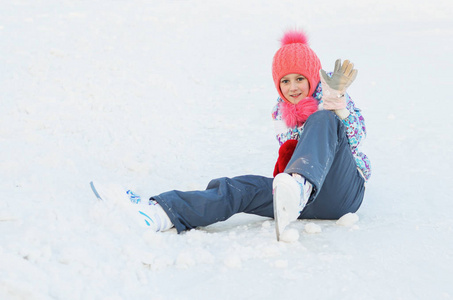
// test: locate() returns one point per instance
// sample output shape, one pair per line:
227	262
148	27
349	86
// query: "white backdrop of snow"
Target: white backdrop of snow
161	95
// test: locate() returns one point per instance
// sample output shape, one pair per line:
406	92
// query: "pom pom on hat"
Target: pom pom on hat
296	57
294	37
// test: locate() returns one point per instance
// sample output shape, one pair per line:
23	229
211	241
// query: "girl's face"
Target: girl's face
294	87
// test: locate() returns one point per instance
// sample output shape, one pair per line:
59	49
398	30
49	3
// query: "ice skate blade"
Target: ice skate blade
277	219
93	188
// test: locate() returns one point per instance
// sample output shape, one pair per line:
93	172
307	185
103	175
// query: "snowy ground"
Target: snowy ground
161	95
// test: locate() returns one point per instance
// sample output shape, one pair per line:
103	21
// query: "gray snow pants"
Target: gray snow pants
322	156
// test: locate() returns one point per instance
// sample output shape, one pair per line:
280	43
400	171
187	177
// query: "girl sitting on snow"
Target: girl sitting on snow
320	173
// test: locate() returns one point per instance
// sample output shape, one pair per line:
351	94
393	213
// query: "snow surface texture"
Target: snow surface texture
161	95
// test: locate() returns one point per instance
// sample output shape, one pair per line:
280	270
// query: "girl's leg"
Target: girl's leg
222	198
324	158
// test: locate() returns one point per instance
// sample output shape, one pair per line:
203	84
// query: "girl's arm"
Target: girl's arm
355	124
355	132
335	98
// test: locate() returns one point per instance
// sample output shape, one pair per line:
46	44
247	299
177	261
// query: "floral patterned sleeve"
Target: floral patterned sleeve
356	131
355	124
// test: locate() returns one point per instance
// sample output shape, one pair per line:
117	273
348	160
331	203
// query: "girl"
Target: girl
320	173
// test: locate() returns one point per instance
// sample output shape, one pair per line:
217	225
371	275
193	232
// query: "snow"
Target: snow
290	235
161	95
312	228
348	219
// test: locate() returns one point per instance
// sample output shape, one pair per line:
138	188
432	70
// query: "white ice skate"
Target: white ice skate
291	193
114	193
147	213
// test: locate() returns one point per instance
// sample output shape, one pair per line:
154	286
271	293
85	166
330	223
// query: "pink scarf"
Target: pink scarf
295	115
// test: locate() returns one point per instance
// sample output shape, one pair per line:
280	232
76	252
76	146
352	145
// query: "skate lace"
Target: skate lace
305	189
133	197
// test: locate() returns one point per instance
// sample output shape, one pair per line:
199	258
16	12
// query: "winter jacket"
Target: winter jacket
355	130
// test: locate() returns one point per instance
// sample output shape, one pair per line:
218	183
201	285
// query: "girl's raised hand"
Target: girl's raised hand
342	77
334	87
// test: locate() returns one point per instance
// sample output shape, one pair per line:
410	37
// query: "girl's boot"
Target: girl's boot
148	213
291	194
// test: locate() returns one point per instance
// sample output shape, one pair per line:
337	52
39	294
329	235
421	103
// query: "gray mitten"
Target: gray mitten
342	77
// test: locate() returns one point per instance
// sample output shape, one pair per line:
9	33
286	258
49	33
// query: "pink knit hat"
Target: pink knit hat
295	56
